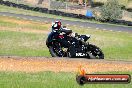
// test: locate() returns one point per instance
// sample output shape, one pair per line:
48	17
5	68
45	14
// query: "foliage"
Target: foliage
111	10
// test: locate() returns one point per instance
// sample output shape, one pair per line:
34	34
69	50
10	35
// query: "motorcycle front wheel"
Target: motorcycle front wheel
95	52
52	52
55	53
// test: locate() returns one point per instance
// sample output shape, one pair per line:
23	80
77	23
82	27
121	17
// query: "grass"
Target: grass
50	80
22	44
115	45
126	3
19	23
122	2
129	4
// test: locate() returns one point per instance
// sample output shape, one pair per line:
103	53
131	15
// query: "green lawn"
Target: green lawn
22	44
115	45
50	80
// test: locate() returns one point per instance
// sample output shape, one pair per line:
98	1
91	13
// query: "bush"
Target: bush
111	10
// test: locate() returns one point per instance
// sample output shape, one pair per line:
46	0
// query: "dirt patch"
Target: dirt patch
37	64
127	18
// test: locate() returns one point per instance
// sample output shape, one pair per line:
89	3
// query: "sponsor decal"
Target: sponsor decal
80	54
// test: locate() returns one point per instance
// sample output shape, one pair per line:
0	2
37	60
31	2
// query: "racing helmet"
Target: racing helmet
56	26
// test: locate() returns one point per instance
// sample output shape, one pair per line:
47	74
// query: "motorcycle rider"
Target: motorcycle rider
59	30
57	27
76	45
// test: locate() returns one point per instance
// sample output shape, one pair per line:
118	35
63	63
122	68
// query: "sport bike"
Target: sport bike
77	46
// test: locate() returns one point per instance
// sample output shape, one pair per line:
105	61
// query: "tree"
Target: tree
111	10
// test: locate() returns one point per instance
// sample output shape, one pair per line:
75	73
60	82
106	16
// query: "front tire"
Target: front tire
95	51
51	50
54	53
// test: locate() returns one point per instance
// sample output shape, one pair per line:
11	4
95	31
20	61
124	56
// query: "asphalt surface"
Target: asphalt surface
119	28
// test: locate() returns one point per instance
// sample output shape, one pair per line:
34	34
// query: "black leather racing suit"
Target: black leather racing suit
62	37
64	41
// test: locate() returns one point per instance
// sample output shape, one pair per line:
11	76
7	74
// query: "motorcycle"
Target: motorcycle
65	45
